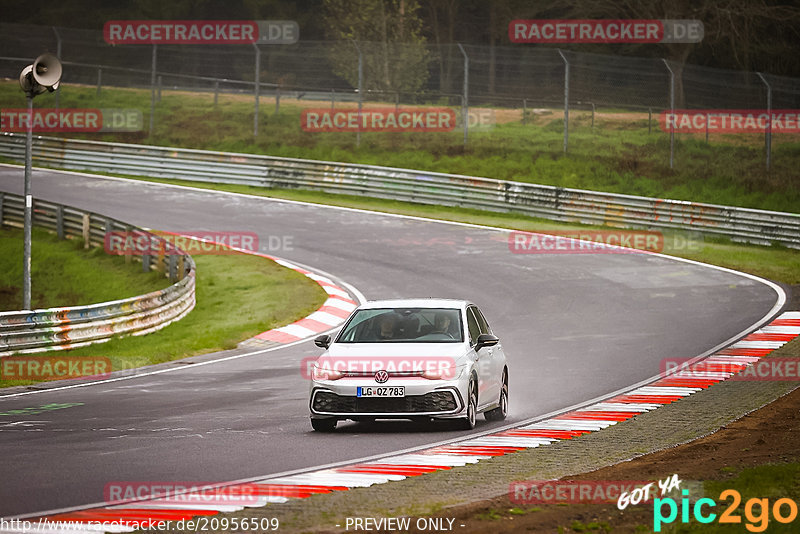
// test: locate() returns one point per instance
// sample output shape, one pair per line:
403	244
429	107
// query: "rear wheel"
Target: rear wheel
468	422
323	425
499	413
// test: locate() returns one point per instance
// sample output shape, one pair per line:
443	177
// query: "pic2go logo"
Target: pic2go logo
756	511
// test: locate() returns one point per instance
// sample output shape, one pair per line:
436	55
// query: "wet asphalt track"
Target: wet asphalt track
574	326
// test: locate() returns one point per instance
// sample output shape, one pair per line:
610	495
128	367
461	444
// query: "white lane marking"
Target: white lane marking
664	390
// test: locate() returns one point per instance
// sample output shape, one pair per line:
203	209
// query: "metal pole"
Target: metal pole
26	253
360	90
593	111
216	92
649	120
566	100
99	80
768	133
58	55
524	110
153	89
257	87
277	99
672	112
333	99
465	98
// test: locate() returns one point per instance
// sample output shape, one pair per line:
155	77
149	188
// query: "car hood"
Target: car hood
396	353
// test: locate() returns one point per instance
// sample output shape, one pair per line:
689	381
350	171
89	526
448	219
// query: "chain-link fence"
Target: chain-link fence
515	79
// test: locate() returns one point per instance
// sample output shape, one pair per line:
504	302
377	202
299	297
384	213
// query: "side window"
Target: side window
472	325
482	322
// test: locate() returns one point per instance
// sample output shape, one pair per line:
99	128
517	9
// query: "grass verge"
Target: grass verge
238	296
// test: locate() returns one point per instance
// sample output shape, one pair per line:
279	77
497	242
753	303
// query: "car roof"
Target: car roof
415	303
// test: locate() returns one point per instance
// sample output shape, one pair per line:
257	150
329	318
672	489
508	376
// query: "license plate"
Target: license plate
381	391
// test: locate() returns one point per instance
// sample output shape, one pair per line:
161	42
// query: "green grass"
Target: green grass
238	296
617	156
773	262
771	481
64	274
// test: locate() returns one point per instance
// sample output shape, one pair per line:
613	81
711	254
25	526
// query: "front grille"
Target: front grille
435	401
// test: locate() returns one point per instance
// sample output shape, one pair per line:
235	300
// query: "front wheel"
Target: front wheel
323	425
500	413
468	422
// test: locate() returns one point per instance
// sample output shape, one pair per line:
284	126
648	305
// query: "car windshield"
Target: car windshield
403	325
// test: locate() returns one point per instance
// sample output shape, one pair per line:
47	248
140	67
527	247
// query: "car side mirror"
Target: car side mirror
323	341
486	340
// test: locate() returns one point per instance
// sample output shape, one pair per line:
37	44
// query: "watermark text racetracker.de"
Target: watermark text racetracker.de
54	367
730	121
153	243
589	241
323	120
764	370
88	120
336	367
605	31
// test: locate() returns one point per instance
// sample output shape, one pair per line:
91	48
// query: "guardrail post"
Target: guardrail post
465	98
672	111
109	228
60	221
86	229
146	262
256	89
768	132
566	99
173	267
153	89
99	80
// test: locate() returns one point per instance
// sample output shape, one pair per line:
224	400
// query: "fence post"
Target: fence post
333	99
158	98
257	87
465	98
99	80
277	99
524	111
58	55
360	89
146	263
672	111
2	197
593	111
566	99
153	89
649	121
768	133
216	92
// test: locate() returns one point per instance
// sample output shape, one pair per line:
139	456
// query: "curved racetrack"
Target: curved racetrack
574	326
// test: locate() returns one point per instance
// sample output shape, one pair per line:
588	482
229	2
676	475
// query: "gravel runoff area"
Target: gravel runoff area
462	493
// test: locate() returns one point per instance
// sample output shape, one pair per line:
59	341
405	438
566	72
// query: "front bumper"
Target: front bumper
329	399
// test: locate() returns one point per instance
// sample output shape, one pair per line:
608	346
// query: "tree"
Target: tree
389	33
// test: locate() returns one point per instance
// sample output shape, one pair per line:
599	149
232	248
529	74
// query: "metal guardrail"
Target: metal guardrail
561	204
29	331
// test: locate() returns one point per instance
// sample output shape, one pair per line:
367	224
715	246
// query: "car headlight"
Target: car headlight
322	373
443	373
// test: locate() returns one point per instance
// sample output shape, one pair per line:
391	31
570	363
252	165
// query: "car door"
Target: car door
498	355
488	389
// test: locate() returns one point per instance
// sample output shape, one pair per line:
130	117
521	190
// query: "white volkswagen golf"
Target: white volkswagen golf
418	359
